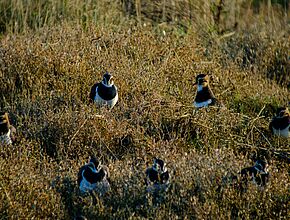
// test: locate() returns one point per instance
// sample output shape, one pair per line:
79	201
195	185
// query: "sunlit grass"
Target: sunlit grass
46	74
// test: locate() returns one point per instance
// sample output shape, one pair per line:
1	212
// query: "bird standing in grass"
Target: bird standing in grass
157	176
94	177
257	174
280	124
7	131
104	92
204	96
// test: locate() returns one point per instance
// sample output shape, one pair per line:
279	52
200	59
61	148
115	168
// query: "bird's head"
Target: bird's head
95	162
108	79
261	165
159	165
202	80
283	112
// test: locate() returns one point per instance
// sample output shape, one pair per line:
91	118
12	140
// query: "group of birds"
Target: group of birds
106	93
157	176
95	177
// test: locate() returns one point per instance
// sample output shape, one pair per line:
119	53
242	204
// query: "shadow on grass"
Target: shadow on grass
75	204
50	137
172	128
253	106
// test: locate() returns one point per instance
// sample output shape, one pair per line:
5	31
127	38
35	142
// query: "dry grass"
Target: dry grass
46	75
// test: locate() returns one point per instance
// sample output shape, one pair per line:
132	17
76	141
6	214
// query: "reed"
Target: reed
52	52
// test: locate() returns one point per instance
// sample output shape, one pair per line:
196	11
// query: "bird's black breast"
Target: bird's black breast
4	128
280	123
204	95
152	175
90	176
155	177
248	172
107	93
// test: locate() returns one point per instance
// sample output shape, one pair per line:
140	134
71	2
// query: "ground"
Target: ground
47	70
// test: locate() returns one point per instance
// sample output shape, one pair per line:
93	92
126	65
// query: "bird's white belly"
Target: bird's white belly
101	187
111	103
6	139
86	186
284	133
202	104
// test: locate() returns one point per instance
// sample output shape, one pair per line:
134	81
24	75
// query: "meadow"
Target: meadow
52	52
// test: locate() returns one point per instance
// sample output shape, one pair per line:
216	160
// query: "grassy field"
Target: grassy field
52	52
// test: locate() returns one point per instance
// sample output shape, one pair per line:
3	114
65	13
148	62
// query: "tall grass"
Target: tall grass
22	15
220	15
48	65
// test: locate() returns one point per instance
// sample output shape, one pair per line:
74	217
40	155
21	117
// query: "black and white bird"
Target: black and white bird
94	177
104	92
204	96
280	124
7	131
157	176
257	174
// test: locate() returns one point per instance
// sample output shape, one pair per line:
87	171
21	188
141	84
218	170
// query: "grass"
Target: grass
47	70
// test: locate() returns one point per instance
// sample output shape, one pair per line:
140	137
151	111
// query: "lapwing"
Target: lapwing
157	176
80	217
104	92
257	174
204	95
7	131
94	177
280	124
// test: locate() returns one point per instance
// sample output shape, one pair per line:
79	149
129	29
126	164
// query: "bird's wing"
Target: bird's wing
93	92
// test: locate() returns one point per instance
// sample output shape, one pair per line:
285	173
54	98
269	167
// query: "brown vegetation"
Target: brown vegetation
47	70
